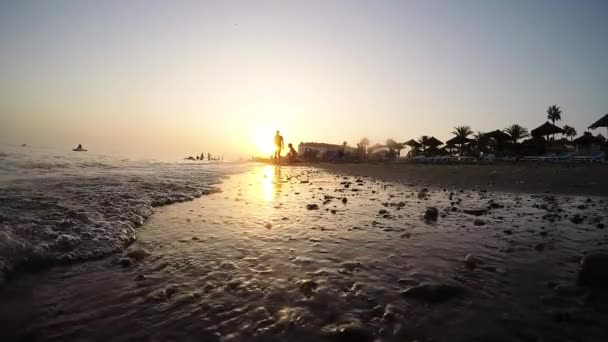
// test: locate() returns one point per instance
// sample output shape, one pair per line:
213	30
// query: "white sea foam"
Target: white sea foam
57	207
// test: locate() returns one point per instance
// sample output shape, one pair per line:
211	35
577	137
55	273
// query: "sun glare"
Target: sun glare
263	140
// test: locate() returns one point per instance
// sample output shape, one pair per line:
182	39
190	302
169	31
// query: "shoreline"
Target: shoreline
261	259
529	178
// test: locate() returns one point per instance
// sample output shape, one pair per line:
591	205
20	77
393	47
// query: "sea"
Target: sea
64	206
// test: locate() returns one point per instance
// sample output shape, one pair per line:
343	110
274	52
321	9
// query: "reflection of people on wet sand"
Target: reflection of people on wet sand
278	143
292	155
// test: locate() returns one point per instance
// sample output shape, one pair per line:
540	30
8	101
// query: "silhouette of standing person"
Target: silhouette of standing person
278	143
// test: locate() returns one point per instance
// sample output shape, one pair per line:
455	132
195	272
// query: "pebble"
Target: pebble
594	270
479	222
312	206
353	331
474	212
125	262
431	213
138	254
471	261
344	200
434	292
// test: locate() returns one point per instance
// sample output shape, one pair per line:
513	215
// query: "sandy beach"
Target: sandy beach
527	177
301	254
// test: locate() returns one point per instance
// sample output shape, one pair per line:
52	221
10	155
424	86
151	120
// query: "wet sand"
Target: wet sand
300	254
528	177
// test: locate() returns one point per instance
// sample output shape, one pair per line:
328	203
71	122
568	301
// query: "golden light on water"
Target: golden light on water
268	183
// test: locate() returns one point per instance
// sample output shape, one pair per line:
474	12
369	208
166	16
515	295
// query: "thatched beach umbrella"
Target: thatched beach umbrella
547	129
412	143
587	139
433	142
498	135
603	122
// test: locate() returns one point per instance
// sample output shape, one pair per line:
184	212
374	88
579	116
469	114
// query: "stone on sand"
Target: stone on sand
434	292
471	261
431	213
312	206
138	254
594	270
474	212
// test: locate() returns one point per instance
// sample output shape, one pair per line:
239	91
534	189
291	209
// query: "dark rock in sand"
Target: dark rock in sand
344	200
138	254
577	219
268	225
382	211
307	287
594	270
333	211
600	225
140	277
479	222
471	261
312	206
508	231
431	213
125	262
434	292
349	332
474	212
539	247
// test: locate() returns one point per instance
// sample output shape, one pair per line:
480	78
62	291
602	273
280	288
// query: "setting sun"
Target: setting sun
262	139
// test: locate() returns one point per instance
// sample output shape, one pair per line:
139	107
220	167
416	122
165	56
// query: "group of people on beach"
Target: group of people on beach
292	155
209	157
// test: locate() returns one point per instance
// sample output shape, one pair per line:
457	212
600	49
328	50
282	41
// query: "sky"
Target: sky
168	79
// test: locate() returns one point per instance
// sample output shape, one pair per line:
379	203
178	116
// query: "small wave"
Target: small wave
85	210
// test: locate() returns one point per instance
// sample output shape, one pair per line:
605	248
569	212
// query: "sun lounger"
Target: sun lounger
546	156
594	157
564	156
466	159
488	158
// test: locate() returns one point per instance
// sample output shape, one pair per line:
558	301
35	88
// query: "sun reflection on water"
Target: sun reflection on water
271	184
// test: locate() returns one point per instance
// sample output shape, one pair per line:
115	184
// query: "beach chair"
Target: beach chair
417	159
466	159
548	156
488	158
597	156
563	157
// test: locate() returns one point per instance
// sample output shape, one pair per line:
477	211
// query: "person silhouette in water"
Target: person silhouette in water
278	143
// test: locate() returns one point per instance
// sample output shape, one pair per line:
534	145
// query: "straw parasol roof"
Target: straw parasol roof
546	129
498	135
603	122
412	143
587	139
458	141
433	142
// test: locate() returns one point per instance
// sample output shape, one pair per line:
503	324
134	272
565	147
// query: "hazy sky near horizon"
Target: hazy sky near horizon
173	78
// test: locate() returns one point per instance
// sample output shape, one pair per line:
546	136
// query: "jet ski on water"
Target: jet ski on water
79	149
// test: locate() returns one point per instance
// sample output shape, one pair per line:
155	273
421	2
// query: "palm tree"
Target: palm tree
570	132
423	140
462	131
516	132
554	113
364	143
394	147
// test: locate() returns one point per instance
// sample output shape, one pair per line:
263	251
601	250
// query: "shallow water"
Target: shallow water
61	207
253	263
